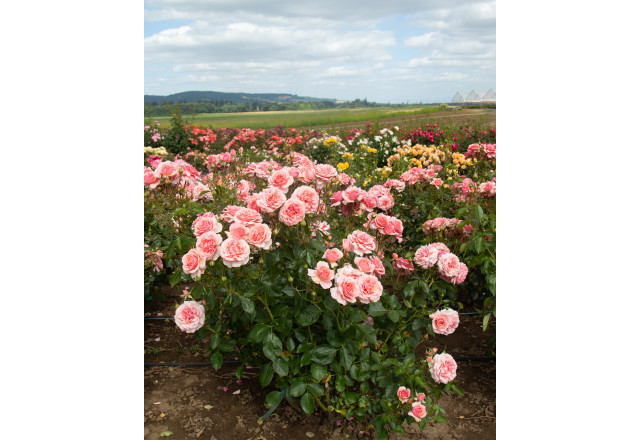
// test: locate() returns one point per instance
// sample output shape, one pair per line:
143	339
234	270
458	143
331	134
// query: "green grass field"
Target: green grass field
296	119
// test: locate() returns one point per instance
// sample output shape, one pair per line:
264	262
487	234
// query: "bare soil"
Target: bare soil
200	403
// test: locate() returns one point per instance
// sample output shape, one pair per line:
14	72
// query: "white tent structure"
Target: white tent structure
473	97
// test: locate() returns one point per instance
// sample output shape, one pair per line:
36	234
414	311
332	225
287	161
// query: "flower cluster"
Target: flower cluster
447	227
481	151
450	268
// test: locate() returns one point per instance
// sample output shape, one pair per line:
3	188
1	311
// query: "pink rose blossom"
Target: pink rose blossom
449	265
418	411
189	316
346	285
403	394
322	274
237	230
362	243
207	222
443	369
403	265
324	173
346	245
364	264
385	203
370	289
270	199
281	180
234	252
445	321
292	212
308	196
259	236
229	212
194	263
421	397
208	244
378	267
332	256
247	216
426	257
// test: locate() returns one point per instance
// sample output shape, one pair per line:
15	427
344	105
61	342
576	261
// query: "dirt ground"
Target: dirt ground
199	403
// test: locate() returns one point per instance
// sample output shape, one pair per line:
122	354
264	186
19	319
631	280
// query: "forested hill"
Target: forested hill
233	98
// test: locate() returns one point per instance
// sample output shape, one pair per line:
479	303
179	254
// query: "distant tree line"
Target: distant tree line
152	109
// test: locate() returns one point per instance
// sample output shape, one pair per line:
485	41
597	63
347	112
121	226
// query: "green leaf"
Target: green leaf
376	309
272	347
228	346
308	316
166	433
298	389
208	406
394	315
323	354
318	372
273	398
485	321
315	389
456	389
216	360
266	375
346	358
281	367
248	306
258	333
215	341
175	277
307	402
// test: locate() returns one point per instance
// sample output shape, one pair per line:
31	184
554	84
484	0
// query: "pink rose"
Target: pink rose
189	316
307	174
324	173
462	274
403	265
403	394
421	397
385	203
234	252
270	199
208	244
332	256
308	196
322	274
150	179
364	264
247	216
206	223
370	289
378	267
449	265
229	212
259	236
346	285
418	411
362	243
292	212
443	368
168	170
490	150
426	257
237	230
346	244
281	180
445	321
194	263
437	182
336	198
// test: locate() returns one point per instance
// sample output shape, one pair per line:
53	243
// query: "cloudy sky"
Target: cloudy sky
385	51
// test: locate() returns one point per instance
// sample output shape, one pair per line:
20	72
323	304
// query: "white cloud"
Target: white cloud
332	49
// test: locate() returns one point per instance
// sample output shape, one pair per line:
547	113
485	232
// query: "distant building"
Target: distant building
473	97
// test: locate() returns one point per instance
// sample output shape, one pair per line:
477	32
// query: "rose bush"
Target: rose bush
311	278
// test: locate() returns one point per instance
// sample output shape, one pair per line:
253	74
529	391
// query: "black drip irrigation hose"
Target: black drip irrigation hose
208	364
